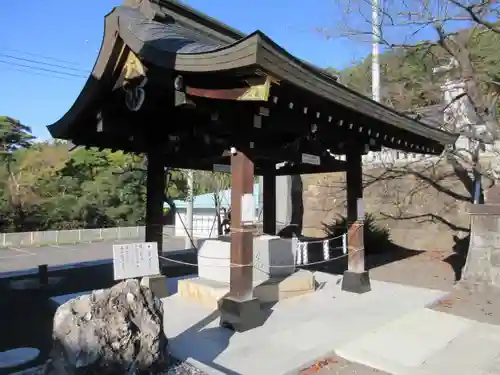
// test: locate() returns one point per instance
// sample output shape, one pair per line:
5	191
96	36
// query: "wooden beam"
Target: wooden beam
355	211
356	278
154	201
240	310
256	89
241	230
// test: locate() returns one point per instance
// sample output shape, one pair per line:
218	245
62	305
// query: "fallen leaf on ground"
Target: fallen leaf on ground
446	302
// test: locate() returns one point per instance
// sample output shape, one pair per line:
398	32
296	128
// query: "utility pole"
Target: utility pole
189	210
375	51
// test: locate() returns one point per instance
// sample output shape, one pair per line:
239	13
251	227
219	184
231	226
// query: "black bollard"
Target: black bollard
43	274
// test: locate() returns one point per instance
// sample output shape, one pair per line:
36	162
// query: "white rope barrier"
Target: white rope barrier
234	265
301	251
326	250
302	248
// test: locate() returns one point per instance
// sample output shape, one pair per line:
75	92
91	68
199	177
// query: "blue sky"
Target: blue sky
69	33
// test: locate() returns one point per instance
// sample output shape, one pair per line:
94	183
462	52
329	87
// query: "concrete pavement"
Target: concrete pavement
427	342
297	331
389	329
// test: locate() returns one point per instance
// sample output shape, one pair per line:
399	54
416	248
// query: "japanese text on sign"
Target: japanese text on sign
135	260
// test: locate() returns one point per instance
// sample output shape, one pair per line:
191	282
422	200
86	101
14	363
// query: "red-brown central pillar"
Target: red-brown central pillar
356	279
239	310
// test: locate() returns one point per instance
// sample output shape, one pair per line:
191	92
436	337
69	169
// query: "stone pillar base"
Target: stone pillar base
356	282
157	284
481	271
240	314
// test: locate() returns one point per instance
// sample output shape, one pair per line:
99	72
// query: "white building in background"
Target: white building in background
205	213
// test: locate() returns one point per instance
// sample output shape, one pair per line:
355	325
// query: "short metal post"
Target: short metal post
43	274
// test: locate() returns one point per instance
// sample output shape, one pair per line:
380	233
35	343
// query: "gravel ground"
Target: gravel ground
182	368
176	368
481	306
334	365
427	269
437	270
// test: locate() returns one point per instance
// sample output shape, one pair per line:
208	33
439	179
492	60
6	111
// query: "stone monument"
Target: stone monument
482	267
274	273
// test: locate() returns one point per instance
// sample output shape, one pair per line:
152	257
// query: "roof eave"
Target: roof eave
306	75
95	85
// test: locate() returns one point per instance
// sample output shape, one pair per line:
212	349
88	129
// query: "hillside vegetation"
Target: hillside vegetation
423	205
407	79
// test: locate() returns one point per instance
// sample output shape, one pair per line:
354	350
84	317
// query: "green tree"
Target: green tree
13	135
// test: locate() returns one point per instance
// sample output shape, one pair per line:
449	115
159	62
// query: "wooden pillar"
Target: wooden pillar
269	203
356	278
155	191
241	231
239	310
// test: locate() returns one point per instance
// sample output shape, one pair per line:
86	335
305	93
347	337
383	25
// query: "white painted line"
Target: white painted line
21	250
17	256
62	248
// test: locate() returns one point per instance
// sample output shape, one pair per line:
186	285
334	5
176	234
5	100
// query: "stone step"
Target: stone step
208	292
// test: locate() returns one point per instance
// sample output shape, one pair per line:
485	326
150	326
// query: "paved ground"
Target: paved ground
436	270
14	259
387	331
461	326
296	331
428	342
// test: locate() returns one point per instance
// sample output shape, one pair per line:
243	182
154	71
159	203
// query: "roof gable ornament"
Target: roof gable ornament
133	79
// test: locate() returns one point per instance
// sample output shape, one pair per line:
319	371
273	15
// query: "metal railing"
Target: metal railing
55	237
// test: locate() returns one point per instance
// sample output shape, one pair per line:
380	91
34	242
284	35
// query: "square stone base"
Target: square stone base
240	314
273	257
157	284
356	282
209	292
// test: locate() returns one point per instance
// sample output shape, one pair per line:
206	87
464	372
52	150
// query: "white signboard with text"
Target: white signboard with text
247	209
222	168
311	159
135	260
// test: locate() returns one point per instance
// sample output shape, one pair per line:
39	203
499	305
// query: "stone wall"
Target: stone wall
482	268
425	206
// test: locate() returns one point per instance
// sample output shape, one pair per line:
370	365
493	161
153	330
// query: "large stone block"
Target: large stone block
280	288
272	257
209	292
202	291
157	284
482	267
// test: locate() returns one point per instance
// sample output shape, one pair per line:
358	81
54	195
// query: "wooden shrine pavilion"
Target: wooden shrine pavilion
191	92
